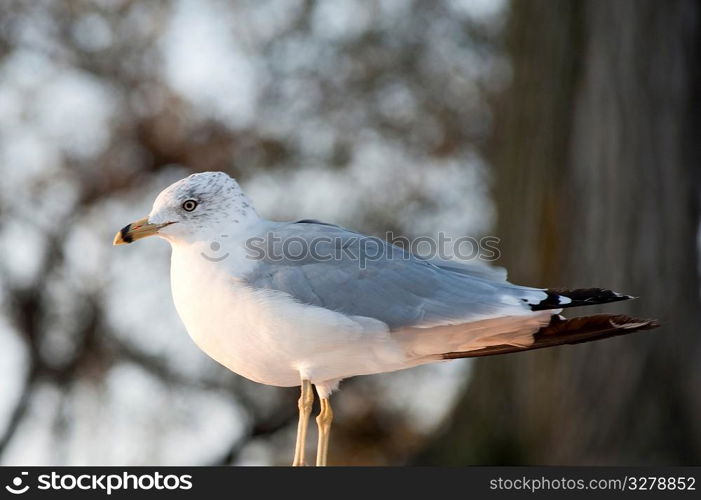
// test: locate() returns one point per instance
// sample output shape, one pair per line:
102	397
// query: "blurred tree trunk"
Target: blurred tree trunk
597	154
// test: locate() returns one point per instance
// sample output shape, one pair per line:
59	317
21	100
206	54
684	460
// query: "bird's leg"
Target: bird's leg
323	420
306	400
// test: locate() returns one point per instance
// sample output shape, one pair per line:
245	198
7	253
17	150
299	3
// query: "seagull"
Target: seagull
307	303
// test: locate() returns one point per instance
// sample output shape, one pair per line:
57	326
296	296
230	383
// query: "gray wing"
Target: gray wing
475	269
328	266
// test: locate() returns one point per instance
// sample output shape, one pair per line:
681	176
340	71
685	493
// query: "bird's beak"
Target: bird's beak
137	230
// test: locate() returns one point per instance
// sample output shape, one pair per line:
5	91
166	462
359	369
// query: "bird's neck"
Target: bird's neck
221	248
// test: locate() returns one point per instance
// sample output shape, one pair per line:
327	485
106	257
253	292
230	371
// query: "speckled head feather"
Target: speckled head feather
218	198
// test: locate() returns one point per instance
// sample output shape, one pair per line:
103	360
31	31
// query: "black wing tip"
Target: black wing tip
578	297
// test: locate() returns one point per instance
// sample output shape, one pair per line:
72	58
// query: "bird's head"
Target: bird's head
192	207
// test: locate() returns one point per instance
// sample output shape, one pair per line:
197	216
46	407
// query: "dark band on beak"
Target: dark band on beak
137	230
126	236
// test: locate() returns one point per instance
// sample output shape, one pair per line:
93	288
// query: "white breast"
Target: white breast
268	337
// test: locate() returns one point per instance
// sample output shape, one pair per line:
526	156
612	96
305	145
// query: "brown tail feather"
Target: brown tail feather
568	331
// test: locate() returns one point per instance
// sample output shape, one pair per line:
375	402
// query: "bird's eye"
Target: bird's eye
189	205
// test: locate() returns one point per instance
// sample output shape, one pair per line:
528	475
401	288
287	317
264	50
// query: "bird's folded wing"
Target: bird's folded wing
328	266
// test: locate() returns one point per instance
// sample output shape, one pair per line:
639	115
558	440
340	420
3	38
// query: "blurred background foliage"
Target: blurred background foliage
576	122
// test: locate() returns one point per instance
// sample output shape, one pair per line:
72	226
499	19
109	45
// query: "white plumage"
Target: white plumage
288	320
269	335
